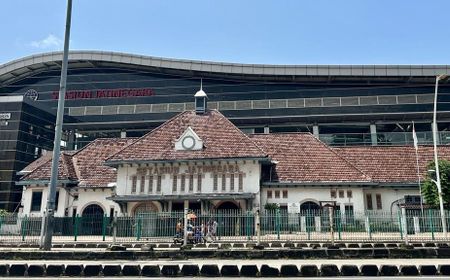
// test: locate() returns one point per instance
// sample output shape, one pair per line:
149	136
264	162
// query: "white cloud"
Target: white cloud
50	42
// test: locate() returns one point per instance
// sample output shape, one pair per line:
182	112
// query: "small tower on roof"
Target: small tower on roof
200	100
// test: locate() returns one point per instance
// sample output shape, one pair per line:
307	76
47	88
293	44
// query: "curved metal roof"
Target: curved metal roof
23	67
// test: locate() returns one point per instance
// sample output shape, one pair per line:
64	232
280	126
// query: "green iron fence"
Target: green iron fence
236	226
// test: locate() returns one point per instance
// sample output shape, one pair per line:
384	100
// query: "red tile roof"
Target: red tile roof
393	164
85	165
301	157
221	139
42	168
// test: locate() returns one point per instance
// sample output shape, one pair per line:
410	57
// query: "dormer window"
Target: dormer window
189	141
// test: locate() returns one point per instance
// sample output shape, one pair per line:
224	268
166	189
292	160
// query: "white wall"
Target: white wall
358	200
86	196
315	194
27	196
250	169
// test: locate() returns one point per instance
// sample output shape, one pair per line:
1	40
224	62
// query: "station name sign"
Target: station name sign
106	93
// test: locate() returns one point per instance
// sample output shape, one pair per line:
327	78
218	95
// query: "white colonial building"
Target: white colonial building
201	161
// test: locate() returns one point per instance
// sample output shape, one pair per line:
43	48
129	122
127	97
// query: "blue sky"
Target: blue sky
250	31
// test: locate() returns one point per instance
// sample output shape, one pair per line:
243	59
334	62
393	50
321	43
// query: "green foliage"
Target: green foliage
3	213
429	188
271	206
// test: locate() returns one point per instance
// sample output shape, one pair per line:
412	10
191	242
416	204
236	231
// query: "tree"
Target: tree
429	188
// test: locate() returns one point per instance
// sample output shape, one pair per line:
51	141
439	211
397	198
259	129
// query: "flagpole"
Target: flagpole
416	147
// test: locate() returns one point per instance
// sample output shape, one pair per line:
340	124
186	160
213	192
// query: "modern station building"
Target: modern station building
123	95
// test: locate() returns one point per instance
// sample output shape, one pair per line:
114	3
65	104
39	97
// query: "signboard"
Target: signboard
5	116
106	93
294	208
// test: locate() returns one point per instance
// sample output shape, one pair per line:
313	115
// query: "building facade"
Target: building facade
201	161
117	95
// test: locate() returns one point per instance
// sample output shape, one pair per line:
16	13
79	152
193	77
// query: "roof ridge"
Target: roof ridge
341	157
148	133
240	131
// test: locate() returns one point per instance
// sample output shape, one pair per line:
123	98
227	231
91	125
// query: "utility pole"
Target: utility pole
48	221
436	162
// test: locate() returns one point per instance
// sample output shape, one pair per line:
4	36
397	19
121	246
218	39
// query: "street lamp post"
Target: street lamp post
438	177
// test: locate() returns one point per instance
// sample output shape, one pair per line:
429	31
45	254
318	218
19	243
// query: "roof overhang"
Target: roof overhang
339	183
322	183
30	65
190	196
44	182
122	162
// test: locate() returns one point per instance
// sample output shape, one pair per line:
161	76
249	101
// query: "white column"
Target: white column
266	130
316	130
373	134
123	134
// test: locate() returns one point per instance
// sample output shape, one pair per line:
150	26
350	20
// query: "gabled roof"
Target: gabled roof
301	157
41	168
84	166
221	139
392	164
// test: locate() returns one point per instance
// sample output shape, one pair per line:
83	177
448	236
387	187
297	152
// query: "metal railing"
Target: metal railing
235	226
383	138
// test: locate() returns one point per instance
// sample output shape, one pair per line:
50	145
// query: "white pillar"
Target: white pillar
266	130
316	130
373	134
123	134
